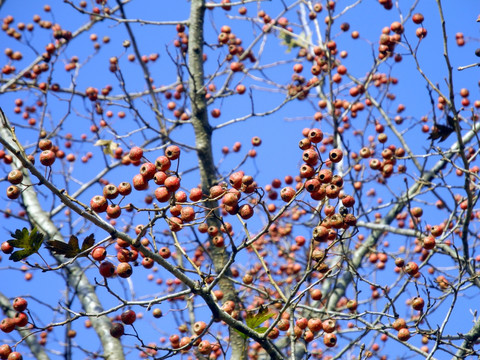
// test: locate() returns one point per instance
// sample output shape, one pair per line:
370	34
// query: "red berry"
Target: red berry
397	27
15	177
159	177
436	230
199	327
136	153
187	214
164	252
422	33
235	66
172	183
148	263
99	253
47	157
230	199
235	179
148	170
417	18
5	350
185	343
117	330
300	240
124	188
312	185
114	211
107	269
298	68
128	317
429	243
162	194
181	196
464	92
302	323
216	191
411	268
216	112
332	191
20	304
256	141
175	223
7	248
246	211
21	319
15	356
399	323
241	89
418	303
157	313
304	144
314	324
316	294
399	262
283	325
417	211
315	135
336	155
247	279
172	152
162	163
310	156
330	340
375	164
348	201
7	325
195	194
98	204
45	144
124	270
329	325
139	182
287	193
352	305
320	233
204	347
13	192
308	336
337	180
325	176
110	191
403	334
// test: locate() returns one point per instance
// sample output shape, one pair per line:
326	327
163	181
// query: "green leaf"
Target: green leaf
261	329
70	249
242	334
255	320
29	241
291	42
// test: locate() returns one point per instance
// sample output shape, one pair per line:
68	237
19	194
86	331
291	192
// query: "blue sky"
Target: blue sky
278	155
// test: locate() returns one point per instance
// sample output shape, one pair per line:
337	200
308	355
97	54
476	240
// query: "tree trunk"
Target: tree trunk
203	142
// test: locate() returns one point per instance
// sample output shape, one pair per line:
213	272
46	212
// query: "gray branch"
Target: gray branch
30	339
356	261
76	277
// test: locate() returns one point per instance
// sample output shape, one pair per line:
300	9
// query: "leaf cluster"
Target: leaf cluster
30	242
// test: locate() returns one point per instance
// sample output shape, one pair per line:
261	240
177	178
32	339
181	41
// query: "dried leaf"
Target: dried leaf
70	249
109	146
